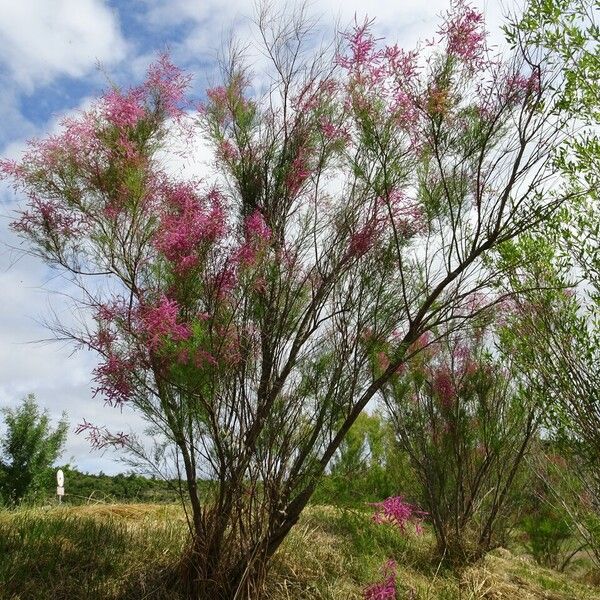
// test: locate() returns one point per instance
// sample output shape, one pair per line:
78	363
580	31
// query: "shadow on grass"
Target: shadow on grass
57	555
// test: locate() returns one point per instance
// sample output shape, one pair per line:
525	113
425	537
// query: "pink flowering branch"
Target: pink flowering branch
396	511
101	437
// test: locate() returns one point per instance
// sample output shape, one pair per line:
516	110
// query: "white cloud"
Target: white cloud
406	21
40	40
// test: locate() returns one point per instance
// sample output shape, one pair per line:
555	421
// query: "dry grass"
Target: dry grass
132	552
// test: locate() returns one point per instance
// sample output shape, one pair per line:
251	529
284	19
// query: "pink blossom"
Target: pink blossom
246	254
256	234
408	216
362	241
12	169
114	379
218	95
189	222
227	151
124	110
202	358
100	437
74	145
183	356
386	589
256	228
333	132
517	86
443	386
48	218
226	102
465	33
422	342
405	110
103	339
298	172
226	280
168	83
396	511
362	46
383	361
111	311
402	65
160	323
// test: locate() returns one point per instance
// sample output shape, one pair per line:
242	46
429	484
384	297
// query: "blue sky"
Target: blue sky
50	52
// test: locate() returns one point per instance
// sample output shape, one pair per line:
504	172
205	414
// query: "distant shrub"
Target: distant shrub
549	538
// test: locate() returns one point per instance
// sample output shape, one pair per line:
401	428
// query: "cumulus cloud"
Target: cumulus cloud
407	22
43	40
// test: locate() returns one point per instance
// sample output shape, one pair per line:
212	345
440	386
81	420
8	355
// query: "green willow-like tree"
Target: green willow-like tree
555	334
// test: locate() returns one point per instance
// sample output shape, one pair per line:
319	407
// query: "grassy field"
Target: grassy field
132	551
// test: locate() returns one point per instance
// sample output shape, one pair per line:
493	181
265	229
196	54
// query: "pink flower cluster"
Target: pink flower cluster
363	240
256	228
377	74
100	437
76	144
314	95
396	511
333	132
187	223
164	89
160	323
464	30
519	87
169	84
225	102
256	234
298	173
444	387
227	151
362	46
407	214
114	379
124	110
386	589
48	218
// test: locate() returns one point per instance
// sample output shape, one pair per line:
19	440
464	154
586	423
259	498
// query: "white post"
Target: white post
60	485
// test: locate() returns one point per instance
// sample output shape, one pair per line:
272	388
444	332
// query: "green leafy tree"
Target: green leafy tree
555	336
365	468
29	446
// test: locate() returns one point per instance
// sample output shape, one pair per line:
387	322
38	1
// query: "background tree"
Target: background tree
363	196
28	447
366	467
555	338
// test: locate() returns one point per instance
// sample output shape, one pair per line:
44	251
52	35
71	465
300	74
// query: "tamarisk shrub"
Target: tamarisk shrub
466	423
251	323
